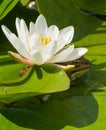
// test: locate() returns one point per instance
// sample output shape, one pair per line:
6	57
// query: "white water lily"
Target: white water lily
42	44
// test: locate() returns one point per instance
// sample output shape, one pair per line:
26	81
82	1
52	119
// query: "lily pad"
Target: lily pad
8	116
35	82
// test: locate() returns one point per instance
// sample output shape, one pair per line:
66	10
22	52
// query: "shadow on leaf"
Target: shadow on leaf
25	119
6	61
78	111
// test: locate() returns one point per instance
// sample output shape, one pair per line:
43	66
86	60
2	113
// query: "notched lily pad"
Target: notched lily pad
38	80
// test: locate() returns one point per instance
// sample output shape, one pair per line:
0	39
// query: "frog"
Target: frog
81	66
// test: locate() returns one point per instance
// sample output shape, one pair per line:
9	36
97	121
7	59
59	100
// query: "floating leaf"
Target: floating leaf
17	119
39	80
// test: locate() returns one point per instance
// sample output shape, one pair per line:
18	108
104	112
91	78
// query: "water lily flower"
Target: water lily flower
42	44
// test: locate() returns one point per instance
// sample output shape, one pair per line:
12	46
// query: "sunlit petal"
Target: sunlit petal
15	42
48	51
24	34
66	34
62	56
52	32
17	22
69	54
41	25
77	53
35	42
32	29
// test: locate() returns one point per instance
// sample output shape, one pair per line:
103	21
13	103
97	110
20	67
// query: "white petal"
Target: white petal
66	34
24	34
22	31
65	37
17	22
43	55
41	25
62	56
31	28
23	26
52	32
15	42
77	53
35	42
37	57
49	51
68	55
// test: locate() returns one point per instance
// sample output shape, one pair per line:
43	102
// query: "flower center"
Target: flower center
45	40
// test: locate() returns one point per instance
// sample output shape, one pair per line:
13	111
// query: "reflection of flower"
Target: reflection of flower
42	44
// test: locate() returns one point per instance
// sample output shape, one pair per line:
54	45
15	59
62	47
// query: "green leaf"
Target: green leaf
75	111
94	6
17	119
66	13
6	6
35	82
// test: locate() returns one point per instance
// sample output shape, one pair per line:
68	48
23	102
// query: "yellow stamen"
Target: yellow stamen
46	40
